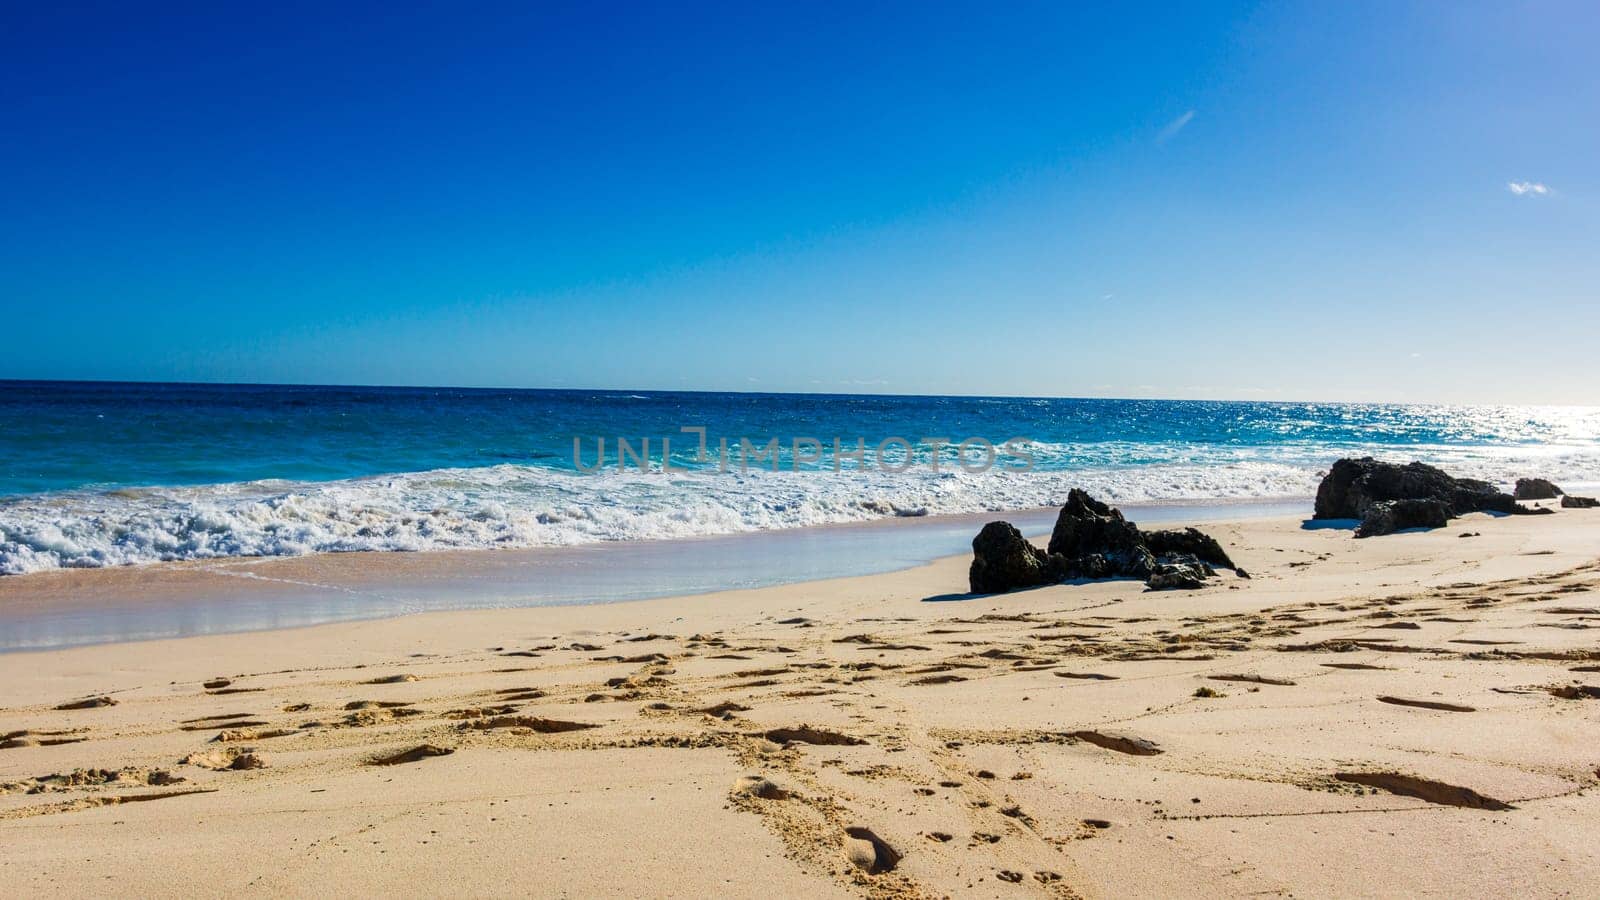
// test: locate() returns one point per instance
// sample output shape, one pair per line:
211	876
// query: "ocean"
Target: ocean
111	474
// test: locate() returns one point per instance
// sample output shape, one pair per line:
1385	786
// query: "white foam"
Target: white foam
525	506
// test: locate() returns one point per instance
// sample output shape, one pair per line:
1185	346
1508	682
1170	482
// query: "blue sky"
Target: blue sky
1298	201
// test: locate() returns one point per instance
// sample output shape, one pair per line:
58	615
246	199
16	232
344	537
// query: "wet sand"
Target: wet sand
75	607
1406	714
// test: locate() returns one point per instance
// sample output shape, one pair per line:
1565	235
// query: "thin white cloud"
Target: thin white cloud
1173	127
1527	188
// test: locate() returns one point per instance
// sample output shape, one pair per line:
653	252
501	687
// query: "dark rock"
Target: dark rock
1352	486
1191	541
1187	575
1003	560
1088	527
1093	541
1092	566
1536	489
1363	488
1390	516
1570	502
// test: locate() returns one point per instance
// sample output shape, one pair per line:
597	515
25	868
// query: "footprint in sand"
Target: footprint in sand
233	720
1426	704
536	724
239	735
366	717
1253	679
238	759
805	734
27	738
1120	743
415	754
760	787
479	712
1423	789
1574	691
78	778
213	721
88	703
521	694
868	852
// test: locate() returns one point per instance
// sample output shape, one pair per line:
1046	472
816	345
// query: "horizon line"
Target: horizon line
447	387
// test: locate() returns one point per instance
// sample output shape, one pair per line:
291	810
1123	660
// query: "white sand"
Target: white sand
973	767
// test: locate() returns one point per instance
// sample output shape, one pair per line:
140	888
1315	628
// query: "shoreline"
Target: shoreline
1071	740
82	607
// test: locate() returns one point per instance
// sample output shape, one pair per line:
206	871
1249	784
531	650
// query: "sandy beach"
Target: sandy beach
733	451
1398	715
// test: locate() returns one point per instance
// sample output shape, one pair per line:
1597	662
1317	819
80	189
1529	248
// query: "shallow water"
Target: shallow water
70	609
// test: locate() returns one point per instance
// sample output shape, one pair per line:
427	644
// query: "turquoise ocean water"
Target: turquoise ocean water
100	474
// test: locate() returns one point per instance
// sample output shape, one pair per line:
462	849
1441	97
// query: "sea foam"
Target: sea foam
531	506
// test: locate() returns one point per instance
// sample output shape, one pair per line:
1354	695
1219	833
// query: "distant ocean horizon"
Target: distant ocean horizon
105	473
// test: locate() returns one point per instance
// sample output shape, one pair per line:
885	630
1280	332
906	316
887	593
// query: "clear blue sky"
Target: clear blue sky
1299	201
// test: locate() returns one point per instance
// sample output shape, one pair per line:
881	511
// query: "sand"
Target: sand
1399	715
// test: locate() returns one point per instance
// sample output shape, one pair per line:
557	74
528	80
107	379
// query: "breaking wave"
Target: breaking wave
530	506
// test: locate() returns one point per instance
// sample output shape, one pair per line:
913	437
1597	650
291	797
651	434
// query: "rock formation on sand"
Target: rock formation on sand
1535	489
1093	540
1390	516
1388	497
1570	502
1003	559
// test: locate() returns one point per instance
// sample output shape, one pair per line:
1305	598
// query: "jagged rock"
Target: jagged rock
1093	541
1003	560
1088	528
1362	488
1183	574
1192	541
1570	502
1390	516
1352	486
1536	489
1092	566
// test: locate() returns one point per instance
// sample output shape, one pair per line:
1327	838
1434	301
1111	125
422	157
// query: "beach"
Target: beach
1393	715
1050	450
